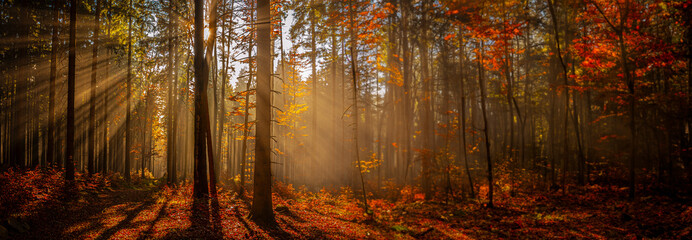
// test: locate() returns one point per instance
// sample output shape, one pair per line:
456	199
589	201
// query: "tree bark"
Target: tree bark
92	99
428	128
50	150
170	144
246	128
128	132
69	151
201	185
261	210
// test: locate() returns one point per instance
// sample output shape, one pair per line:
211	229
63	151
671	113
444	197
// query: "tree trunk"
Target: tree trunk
212	63
261	210
201	186
315	92
170	144
427	128
92	98
406	94
356	117
176	102
69	151
53	77
481	84
128	131
462	111
246	128
106	84
221	111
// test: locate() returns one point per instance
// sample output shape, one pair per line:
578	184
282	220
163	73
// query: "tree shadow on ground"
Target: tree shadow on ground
161	214
205	218
276	231
243	221
130	216
63	220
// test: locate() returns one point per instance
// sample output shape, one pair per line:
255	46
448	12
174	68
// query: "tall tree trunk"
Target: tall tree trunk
246	128
170	143
92	98
508	77
315	91
567	99
211	62
128	132
221	112
405	5
201	186
427	129
50	150
176	101
481	84
69	151
356	110
261	210
462	110
106	83
335	111
20	104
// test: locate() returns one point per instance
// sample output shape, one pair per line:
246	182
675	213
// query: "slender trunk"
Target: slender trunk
356	110
462	111
176	102
128	131
221	111
335	112
170	144
427	129
20	104
211	57
53	77
567	99
481	84
510	96
246	128
629	80
106	91
69	151
92	98
407	86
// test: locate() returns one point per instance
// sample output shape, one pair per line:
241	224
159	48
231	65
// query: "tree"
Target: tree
427	128
21	109
356	110
107	146
170	127
246	116
462	110
620	31
50	149
92	98
211	61
481	84
261	210
69	151
128	98
201	185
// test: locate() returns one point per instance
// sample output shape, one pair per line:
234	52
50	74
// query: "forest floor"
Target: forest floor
150	211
